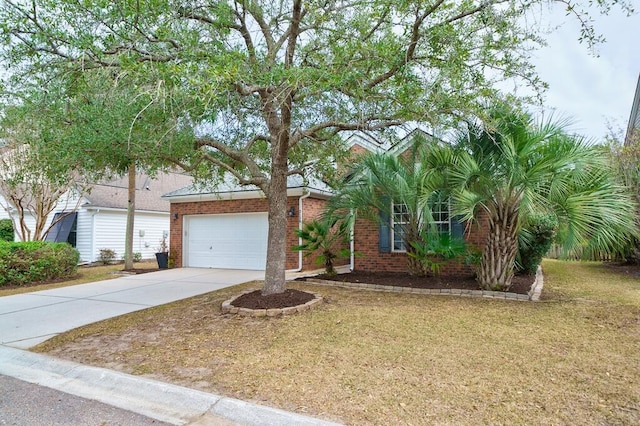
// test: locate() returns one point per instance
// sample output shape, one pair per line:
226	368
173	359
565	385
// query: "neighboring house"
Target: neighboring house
227	227
634	119
100	219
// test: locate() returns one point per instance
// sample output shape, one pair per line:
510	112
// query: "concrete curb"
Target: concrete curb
158	400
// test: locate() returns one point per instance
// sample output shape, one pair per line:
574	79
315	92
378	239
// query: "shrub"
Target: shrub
137	256
6	230
534	241
36	261
325	237
435	250
107	256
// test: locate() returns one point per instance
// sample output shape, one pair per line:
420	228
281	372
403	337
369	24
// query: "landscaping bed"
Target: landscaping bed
521	283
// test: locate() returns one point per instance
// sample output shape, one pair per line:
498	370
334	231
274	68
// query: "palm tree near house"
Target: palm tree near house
382	185
513	167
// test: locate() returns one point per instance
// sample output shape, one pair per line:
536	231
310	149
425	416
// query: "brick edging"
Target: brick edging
228	308
533	295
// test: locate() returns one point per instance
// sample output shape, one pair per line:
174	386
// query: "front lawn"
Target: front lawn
383	358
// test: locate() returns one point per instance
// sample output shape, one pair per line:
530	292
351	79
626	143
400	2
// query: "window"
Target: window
440	212
399	220
439	205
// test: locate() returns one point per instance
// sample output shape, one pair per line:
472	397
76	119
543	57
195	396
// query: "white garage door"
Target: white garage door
231	241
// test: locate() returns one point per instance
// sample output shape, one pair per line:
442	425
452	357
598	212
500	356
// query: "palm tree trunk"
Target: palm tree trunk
414	265
498	256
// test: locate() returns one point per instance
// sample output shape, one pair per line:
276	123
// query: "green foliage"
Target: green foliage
435	249
380	180
512	167
23	263
325	238
261	105
6	230
535	240
107	256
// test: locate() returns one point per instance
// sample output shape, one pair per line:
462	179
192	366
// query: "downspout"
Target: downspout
300	224
92	258
352	256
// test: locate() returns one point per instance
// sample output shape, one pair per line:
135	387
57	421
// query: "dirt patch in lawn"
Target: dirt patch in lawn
372	358
521	283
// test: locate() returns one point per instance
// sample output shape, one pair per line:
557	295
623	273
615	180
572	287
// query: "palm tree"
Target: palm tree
513	167
382	185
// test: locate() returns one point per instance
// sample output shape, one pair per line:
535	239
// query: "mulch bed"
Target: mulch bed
291	297
255	299
521	284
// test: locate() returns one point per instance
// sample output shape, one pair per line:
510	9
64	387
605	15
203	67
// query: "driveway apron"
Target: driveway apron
31	318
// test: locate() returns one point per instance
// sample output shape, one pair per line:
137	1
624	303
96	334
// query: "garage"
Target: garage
230	241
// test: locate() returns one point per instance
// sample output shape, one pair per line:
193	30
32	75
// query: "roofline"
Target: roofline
360	139
119	209
245	195
634	117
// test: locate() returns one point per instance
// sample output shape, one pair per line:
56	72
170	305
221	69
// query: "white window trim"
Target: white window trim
393	223
393	229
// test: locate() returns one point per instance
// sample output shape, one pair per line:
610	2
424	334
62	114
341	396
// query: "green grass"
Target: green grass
380	358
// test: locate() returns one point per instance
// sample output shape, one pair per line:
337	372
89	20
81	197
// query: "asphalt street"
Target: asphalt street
27	404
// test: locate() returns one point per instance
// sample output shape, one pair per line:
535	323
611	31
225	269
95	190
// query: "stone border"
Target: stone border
228	308
533	295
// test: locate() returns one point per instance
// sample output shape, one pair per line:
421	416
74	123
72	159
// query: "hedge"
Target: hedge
35	261
6	230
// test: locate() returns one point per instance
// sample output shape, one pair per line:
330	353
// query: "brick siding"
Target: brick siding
369	257
311	207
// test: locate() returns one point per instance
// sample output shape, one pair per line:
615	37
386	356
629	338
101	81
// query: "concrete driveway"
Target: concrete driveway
31	318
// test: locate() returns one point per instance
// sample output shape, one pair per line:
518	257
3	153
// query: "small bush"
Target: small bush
535	241
36	261
6	230
106	256
137	256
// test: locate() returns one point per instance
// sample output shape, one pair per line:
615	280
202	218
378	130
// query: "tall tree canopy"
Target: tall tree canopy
274	82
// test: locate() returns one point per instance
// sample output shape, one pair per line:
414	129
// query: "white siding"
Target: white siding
68	202
109	232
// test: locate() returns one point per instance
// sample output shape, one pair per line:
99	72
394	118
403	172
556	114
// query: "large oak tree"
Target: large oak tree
275	82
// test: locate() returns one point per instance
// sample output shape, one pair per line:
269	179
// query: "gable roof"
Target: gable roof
634	118
114	193
230	189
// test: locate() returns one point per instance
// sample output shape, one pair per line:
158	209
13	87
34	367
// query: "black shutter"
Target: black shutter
457	227
384	230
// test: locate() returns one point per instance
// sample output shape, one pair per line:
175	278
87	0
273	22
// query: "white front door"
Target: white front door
230	241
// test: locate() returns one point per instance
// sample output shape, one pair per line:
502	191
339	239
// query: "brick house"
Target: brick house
227	227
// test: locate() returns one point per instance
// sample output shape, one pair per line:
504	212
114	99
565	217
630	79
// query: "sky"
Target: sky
586	89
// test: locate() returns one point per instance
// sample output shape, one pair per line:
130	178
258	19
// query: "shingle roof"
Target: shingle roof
114	193
634	118
230	186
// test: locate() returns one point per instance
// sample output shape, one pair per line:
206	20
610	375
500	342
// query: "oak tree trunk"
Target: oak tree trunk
274	279
499	254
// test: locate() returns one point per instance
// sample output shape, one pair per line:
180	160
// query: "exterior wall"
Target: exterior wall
311	207
108	230
369	257
67	202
